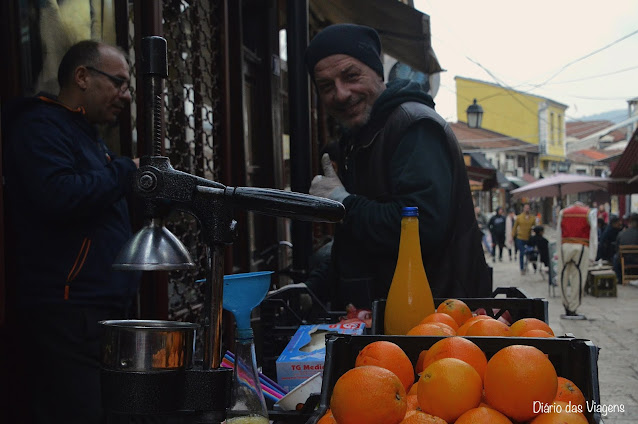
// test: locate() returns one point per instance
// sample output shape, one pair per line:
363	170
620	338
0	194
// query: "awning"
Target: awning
480	169
484	175
404	31
626	167
476	185
518	182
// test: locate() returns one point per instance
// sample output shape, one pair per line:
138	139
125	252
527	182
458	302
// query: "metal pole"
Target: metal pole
299	99
213	320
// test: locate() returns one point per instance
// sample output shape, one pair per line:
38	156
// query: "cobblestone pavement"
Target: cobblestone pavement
612	325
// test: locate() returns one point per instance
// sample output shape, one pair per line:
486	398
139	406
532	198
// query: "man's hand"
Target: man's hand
328	185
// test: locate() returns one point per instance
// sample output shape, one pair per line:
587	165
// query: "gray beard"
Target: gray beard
355	129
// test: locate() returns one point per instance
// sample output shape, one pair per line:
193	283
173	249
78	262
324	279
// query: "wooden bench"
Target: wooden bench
628	265
602	283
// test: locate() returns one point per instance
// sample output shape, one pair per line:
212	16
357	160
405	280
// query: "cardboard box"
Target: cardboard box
305	354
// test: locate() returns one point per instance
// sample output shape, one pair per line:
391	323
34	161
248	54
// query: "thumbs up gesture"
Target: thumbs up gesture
328	185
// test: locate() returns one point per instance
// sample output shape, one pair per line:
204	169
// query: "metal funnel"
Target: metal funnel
153	248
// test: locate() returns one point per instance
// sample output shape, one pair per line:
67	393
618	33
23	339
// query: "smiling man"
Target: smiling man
65	198
396	151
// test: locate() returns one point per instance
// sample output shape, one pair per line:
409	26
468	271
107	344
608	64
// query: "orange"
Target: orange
409	413
488	327
418	367
390	356
449	387
569	392
457	309
432	329
412	402
483	415
418	417
560	413
523	325
535	333
463	329
327	418
413	390
441	317
368	394
515	377
459	348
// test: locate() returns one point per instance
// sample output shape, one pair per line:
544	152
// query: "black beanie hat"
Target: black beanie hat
358	41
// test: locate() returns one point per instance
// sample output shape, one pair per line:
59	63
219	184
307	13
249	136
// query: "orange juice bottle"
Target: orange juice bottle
410	298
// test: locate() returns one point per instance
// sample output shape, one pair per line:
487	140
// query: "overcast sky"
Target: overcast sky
539	47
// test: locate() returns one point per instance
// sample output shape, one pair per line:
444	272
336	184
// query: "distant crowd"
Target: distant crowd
501	232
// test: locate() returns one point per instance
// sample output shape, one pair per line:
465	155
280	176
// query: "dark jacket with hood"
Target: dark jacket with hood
65	197
406	155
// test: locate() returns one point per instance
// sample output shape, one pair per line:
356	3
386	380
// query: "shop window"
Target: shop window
50	27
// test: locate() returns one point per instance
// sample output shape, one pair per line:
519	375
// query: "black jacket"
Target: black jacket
607	243
406	155
65	199
497	225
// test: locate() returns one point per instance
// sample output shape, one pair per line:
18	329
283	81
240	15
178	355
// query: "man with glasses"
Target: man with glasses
65	198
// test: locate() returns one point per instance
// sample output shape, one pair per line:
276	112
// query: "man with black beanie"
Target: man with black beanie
396	151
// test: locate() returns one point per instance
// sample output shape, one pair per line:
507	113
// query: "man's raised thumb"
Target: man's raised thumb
326	163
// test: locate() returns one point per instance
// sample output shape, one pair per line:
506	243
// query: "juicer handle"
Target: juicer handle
287	204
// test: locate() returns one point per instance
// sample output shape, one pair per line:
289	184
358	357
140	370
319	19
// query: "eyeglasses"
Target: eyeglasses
119	83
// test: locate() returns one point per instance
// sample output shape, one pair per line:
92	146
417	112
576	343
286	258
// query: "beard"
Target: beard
354	122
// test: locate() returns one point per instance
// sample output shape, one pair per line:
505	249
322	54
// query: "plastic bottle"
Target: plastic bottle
410	298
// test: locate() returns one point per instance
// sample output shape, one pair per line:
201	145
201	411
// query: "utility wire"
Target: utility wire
508	90
598	98
585	57
580	123
594	76
536	86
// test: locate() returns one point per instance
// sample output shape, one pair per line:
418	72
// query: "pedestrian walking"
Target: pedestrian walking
496	226
522	230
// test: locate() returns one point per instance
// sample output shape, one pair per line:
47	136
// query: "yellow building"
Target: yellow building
534	119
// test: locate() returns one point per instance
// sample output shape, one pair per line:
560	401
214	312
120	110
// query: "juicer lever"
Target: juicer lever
281	203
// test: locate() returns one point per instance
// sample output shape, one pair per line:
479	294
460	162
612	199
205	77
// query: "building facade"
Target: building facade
533	119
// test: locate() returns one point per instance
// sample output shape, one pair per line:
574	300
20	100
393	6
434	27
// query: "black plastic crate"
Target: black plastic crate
296	417
518	307
575	359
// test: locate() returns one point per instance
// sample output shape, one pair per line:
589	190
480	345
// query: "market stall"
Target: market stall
148	366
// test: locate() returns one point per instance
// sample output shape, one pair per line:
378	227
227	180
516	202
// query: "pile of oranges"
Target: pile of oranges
456	383
454	318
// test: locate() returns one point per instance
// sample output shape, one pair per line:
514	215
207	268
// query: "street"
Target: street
612	325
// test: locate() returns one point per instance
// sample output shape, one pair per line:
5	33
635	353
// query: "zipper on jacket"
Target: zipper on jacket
77	266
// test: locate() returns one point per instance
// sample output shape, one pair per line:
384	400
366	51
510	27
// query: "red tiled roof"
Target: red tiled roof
582	129
480	138
588	156
594	154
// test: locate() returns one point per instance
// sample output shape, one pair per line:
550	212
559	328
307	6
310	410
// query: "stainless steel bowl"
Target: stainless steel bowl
147	345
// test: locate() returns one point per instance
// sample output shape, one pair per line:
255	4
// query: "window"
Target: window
552	129
560	129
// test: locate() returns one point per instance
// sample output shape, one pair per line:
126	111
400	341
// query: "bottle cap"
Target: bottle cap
410	211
